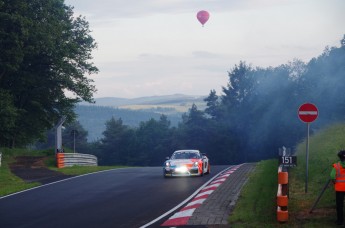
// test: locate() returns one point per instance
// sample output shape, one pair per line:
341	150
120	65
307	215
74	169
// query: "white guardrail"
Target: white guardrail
72	159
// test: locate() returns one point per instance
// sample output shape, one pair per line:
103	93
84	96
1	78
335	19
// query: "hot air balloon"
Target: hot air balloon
203	16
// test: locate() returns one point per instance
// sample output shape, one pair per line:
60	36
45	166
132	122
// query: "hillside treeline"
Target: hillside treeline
255	115
93	117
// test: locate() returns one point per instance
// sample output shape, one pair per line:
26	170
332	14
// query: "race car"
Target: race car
186	163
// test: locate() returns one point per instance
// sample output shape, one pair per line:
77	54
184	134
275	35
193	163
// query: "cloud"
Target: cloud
138	8
206	54
158	47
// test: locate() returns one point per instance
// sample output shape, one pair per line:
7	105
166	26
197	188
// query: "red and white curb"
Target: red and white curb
182	217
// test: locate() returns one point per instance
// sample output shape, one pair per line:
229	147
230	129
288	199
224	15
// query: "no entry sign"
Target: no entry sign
308	112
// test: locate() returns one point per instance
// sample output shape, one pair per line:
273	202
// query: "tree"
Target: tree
45	52
74	136
117	142
8	114
153	139
194	129
240	85
213	105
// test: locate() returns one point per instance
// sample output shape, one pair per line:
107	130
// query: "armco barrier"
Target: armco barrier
282	197
71	159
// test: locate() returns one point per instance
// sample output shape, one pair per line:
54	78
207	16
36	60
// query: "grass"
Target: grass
257	204
10	183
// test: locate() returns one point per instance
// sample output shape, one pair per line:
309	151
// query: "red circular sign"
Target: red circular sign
308	112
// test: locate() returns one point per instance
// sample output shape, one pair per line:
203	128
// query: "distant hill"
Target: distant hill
180	102
133	111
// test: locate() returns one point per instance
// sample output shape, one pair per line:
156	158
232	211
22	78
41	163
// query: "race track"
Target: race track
129	197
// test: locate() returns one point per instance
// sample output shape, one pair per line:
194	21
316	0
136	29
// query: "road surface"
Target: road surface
129	197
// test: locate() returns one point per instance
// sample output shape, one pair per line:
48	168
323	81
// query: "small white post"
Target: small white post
58	135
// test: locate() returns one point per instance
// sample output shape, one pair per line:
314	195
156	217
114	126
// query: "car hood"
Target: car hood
179	162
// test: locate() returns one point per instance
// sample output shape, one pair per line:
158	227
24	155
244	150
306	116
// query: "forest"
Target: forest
93	118
46	53
255	115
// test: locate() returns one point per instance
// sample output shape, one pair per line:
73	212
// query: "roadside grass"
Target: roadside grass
10	183
256	206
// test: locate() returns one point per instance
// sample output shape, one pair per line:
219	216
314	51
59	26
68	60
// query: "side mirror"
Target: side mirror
167	158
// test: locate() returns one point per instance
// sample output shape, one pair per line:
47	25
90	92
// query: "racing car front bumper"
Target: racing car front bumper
181	171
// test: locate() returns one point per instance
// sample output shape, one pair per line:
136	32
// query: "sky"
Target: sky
158	47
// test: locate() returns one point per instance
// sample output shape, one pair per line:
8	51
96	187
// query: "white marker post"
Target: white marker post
58	135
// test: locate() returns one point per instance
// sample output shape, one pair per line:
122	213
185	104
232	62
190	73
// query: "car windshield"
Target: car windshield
185	155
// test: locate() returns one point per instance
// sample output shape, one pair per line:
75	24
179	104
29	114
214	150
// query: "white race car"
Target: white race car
186	163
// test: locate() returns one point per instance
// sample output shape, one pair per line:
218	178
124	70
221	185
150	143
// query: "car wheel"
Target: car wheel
208	169
202	170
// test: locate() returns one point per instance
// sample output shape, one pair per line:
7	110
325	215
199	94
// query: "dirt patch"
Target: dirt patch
33	169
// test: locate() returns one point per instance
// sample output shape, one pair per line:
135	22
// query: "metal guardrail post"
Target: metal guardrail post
72	159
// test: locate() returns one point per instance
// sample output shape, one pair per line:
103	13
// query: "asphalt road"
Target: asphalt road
129	197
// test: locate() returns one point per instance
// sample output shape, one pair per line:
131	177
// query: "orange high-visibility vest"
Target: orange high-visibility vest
339	177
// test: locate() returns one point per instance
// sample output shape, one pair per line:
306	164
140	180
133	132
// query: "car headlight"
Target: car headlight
196	164
167	164
182	169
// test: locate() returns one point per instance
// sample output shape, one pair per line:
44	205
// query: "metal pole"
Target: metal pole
58	136
307	160
318	199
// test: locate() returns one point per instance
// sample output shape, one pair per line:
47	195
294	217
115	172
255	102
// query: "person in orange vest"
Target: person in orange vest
338	179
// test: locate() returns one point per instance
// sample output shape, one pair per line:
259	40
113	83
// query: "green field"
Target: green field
173	107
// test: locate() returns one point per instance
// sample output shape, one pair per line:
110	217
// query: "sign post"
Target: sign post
307	113
58	135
